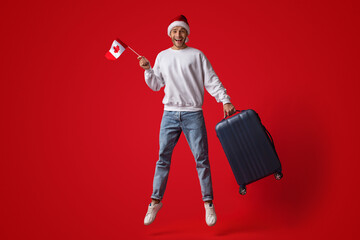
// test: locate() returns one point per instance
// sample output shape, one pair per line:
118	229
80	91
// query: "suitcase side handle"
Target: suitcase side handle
271	139
268	133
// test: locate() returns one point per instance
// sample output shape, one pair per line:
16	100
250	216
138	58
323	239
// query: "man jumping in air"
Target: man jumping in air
185	72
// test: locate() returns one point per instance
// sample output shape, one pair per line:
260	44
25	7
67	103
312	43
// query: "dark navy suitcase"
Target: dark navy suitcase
249	148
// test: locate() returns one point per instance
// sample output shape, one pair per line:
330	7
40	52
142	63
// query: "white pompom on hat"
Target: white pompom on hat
179	21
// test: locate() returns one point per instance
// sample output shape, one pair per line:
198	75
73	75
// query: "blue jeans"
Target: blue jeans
193	126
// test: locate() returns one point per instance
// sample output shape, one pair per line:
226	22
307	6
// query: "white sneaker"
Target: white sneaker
151	213
210	216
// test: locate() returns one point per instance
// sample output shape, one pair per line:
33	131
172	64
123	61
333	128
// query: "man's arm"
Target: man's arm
214	86
152	80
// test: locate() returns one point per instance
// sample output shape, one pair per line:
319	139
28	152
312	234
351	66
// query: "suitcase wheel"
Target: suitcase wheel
242	190
278	175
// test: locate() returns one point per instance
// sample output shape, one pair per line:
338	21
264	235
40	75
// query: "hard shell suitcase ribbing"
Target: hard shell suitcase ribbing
249	148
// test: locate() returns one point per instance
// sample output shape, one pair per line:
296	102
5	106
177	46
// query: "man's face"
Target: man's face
178	36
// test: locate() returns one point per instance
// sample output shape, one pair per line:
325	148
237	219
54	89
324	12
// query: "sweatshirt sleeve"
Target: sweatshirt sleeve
153	77
212	83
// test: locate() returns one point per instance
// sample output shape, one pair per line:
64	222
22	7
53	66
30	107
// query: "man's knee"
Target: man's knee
163	163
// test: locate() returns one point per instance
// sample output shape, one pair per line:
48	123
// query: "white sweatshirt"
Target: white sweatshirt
184	73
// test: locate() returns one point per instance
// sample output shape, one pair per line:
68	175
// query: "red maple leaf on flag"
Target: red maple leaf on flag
116	49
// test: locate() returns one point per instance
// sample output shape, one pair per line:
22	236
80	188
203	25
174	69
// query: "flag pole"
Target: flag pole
134	51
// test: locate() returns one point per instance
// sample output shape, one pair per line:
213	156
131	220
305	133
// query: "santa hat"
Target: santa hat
179	21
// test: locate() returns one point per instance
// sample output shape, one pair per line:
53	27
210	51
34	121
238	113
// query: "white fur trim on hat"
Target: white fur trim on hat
179	24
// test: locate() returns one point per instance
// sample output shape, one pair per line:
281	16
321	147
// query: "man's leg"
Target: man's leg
193	125
170	132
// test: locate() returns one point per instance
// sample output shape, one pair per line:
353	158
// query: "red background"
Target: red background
79	133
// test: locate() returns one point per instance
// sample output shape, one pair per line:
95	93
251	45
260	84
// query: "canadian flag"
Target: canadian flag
117	48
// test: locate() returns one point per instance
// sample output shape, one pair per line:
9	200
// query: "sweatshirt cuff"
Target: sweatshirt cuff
149	70
226	101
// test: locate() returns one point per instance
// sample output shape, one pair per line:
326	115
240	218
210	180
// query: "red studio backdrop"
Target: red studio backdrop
79	133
